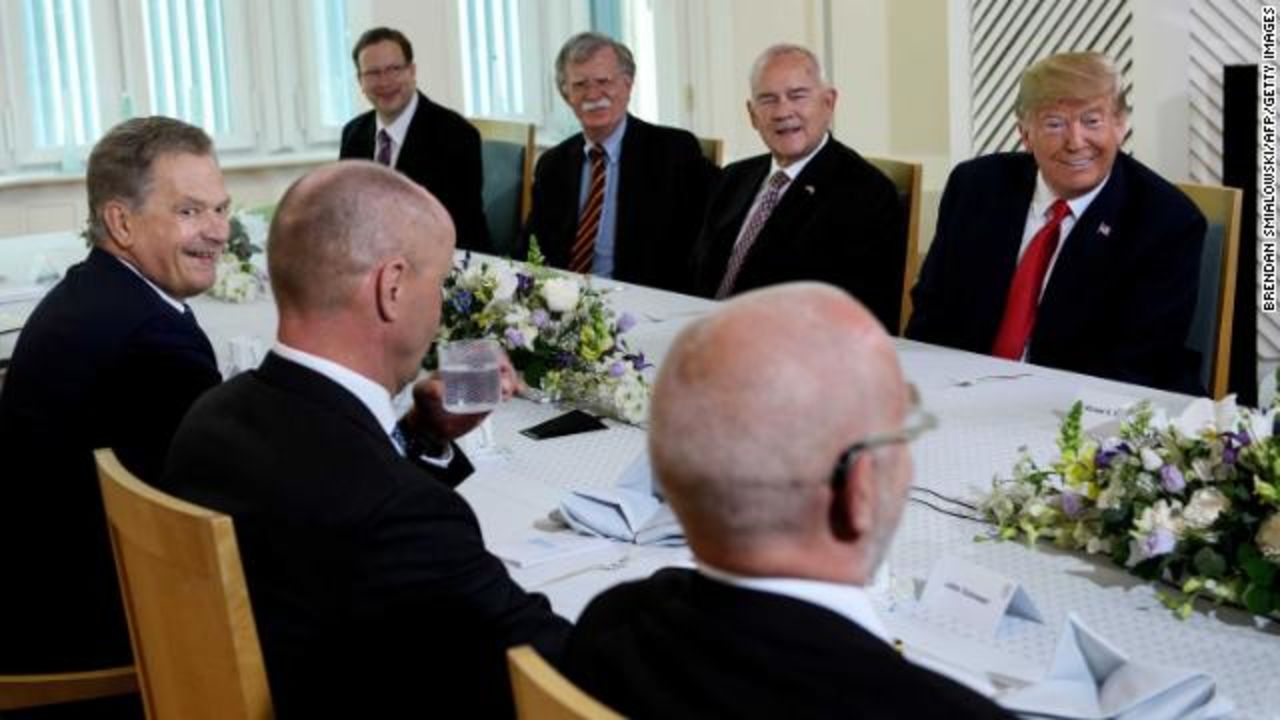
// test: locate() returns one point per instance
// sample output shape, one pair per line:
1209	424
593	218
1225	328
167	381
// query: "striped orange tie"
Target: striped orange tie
584	241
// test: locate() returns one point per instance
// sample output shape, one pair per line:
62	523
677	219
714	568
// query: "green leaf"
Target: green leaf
1259	600
1209	563
1259	570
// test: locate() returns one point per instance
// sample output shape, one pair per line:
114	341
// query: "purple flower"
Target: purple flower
1243	439
539	318
515	338
626	322
524	284
1072	504
617	369
1171	479
462	301
638	361
1159	542
563	359
1104	457
1229	454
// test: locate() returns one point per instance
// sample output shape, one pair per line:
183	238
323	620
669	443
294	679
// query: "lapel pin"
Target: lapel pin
809	189
1104	230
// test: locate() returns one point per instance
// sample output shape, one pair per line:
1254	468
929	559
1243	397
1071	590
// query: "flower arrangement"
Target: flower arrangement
561	335
1193	501
238	279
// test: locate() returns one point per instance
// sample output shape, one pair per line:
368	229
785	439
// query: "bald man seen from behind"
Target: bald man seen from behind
371	588
787	527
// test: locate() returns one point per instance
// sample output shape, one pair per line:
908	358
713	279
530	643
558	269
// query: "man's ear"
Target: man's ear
118	220
389	285
853	502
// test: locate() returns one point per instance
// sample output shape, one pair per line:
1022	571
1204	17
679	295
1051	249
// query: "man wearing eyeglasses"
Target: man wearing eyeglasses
1072	254
431	144
623	198
787	527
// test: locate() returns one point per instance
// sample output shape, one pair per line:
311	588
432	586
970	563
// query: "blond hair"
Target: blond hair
1070	76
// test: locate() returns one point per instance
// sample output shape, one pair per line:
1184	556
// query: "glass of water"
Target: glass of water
469	371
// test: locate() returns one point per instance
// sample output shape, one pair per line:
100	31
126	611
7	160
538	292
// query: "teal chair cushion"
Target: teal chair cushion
503	180
1204	323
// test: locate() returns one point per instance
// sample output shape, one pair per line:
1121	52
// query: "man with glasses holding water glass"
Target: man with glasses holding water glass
789	494
431	144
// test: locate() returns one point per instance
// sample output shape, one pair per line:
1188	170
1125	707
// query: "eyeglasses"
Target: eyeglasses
918	422
391	71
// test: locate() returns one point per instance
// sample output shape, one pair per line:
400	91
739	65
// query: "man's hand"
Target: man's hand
429	420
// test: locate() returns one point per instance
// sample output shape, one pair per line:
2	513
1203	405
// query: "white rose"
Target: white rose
1205	506
507	283
1268	537
1151	460
1161	515
561	294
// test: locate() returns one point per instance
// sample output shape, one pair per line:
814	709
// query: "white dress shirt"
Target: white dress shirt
1036	218
397	130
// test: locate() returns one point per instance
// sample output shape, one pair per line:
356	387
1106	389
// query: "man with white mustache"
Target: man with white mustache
624	198
112	357
810	209
1072	254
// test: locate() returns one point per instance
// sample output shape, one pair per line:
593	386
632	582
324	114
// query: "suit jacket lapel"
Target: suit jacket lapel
997	254
736	209
418	133
631	196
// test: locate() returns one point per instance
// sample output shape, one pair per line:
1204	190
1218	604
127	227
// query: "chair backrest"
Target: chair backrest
506	152
1210	332
194	640
542	693
713	150
28	691
907	178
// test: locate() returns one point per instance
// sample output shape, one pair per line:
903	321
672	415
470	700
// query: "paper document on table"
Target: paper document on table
545	547
632	511
1090	679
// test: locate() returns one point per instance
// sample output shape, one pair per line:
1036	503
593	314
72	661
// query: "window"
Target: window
260	78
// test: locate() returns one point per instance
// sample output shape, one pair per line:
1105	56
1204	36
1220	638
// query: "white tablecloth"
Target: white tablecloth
984	418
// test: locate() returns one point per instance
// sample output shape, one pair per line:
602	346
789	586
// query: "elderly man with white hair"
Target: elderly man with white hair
787	527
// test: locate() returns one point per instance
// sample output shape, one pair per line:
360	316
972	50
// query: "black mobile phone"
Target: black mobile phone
570	423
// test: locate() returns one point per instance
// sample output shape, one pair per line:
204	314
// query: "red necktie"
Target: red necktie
1024	291
584	241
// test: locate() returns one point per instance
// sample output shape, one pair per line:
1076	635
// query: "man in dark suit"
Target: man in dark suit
371	588
431	144
774	621
810	209
1115	297
634	213
111	357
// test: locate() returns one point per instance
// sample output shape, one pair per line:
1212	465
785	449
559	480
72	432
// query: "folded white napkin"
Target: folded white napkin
1090	679
631	511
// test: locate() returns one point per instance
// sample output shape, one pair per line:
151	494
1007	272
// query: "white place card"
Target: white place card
1102	408
545	547
975	596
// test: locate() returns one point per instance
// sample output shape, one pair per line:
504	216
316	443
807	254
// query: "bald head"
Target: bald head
755	403
337	222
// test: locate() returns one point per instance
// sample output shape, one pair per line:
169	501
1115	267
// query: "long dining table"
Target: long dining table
989	412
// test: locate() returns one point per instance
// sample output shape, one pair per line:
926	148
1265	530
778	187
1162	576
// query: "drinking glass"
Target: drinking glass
469	371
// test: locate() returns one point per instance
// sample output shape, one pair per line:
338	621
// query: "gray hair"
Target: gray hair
774	51
583	46
120	164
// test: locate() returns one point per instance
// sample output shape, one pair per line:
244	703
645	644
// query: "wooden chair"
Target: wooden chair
907	179
1211	324
713	150
28	691
194	641
506	150
542	693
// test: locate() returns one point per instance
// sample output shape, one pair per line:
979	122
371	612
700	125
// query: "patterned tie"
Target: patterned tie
584	241
384	147
399	439
777	182
1024	292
